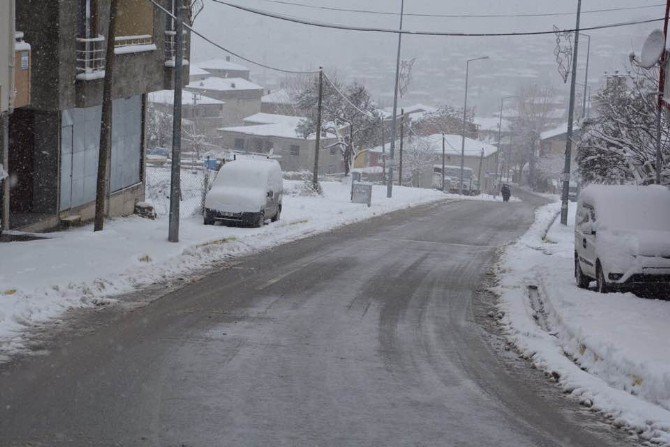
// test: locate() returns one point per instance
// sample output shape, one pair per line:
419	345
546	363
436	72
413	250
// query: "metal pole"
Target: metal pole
4	128
465	111
444	152
389	187
499	160
383	153
105	122
402	134
571	113
479	176
661	91
586	74
175	180
317	147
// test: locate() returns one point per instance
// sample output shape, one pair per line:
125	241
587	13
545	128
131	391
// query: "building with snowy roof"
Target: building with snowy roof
279	102
424	152
224	68
266	133
242	97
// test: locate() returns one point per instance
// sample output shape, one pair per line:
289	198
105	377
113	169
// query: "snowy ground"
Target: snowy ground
41	279
610	351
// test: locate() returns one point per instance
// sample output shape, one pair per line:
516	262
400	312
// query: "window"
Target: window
294	149
239	143
134	23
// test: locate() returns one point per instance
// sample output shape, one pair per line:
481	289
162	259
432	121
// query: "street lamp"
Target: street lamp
465	112
502	102
586	74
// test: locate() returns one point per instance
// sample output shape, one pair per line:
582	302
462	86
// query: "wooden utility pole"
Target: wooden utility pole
661	100
175	173
402	137
105	122
479	175
317	147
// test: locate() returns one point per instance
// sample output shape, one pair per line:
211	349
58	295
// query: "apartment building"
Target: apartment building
54	142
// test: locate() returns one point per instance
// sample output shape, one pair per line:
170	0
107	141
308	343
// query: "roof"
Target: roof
224	84
221	64
557	131
188	98
417	109
473	148
194	70
278	97
491	123
269	125
271	118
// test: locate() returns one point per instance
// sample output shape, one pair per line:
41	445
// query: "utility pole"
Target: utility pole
444	154
402	134
571	114
499	160
104	150
479	176
586	74
4	137
661	91
175	180
389	188
317	147
465	116
383	151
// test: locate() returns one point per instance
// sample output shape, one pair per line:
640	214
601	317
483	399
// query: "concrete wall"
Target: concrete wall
235	110
6	52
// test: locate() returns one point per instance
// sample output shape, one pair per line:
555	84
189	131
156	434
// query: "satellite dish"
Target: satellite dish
653	48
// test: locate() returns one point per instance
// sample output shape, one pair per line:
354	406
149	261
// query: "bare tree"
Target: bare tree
447	120
619	144
347	111
533	107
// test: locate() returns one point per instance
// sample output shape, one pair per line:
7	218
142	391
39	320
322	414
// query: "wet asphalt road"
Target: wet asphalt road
368	335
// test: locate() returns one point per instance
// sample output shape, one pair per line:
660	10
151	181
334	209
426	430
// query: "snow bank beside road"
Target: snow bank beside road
41	279
610	351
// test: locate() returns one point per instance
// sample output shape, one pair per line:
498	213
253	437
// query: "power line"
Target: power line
208	40
422	33
460	16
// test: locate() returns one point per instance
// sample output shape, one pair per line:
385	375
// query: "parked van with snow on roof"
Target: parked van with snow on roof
246	191
622	236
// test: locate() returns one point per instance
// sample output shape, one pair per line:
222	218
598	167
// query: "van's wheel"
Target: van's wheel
260	220
583	281
276	217
603	287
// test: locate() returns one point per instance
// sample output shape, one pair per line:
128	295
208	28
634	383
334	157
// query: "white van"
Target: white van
622	236
246	191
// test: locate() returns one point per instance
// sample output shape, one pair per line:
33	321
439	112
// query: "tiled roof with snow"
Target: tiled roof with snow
270	125
221	64
473	148
224	84
491	123
188	98
558	131
278	97
194	70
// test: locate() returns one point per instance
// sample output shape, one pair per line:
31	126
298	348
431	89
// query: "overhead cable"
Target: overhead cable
460	16
210	41
422	33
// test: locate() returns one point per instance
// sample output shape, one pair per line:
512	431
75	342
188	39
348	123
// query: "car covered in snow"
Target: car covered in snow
158	156
622	236
245	191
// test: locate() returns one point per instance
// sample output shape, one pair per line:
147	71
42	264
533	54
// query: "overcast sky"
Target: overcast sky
297	46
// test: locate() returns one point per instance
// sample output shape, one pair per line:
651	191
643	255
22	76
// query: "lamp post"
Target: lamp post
586	73
502	107
465	116
389	187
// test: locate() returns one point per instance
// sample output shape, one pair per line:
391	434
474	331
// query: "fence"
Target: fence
193	183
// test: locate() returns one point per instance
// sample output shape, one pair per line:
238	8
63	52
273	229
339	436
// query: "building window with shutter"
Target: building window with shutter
294	149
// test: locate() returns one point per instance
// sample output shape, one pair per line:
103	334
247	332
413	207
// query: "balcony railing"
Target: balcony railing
90	58
171	47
